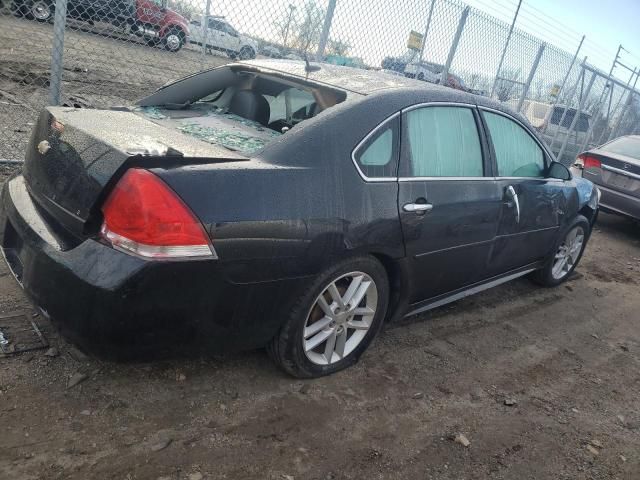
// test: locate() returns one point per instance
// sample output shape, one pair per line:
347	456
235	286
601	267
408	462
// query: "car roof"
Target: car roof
363	82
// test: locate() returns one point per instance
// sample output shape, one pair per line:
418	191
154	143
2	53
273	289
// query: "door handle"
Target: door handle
417	207
513	200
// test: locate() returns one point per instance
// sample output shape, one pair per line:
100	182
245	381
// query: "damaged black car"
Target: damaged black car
286	205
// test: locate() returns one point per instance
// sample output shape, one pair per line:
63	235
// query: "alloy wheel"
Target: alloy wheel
568	253
340	318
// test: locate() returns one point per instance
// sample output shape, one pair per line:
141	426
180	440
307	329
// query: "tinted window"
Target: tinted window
442	142
628	146
216	25
377	157
517	153
583	121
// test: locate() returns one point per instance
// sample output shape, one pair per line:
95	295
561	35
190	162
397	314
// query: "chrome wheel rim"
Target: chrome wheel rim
340	318
173	41
41	11
568	253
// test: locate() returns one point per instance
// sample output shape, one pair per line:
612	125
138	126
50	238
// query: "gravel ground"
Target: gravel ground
543	383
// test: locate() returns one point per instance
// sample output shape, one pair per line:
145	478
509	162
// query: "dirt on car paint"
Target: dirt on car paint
517	382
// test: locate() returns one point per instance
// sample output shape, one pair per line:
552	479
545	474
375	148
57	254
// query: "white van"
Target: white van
546	119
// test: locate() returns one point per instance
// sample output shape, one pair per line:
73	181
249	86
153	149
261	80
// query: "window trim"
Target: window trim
547	158
362	142
481	138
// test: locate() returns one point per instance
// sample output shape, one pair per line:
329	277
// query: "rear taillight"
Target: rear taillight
586	161
142	215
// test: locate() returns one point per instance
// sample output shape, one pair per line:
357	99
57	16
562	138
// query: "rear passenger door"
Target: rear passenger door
532	204
448	201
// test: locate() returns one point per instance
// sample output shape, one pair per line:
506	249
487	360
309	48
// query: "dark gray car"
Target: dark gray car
615	168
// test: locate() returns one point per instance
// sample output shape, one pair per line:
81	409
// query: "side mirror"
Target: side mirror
559	171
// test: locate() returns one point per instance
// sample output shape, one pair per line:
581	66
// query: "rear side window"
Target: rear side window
517	153
377	157
441	142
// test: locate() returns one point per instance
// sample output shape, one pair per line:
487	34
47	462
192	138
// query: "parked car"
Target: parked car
150	19
221	36
546	119
271	52
193	213
615	168
426	71
398	64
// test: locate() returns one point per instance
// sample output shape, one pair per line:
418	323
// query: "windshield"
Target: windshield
627	146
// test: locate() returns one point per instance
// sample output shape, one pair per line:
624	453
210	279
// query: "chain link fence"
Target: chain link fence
100	53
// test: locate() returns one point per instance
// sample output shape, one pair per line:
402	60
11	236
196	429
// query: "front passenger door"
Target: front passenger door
532	204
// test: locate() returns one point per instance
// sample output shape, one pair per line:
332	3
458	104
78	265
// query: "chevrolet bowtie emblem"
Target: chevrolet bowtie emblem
44	147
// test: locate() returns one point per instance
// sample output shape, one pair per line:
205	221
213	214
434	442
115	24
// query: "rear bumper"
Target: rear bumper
620	203
109	301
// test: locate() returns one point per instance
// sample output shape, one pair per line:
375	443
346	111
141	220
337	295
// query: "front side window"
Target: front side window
517	153
377	157
441	142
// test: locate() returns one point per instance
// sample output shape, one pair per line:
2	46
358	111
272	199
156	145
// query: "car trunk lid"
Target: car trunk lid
75	154
617	172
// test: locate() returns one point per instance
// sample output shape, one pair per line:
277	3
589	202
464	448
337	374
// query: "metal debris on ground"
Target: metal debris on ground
19	333
462	440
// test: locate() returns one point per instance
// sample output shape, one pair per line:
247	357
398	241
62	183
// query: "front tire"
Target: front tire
334	320
247	53
566	254
41	11
173	40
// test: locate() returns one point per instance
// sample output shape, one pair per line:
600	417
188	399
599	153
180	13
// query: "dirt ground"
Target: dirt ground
544	384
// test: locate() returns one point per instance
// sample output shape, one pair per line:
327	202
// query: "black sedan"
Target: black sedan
282	204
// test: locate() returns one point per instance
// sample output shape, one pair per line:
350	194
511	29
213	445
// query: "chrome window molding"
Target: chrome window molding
422	179
437	104
621	172
367	137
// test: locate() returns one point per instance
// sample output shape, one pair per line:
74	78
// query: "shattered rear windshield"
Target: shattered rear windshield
239	110
214	125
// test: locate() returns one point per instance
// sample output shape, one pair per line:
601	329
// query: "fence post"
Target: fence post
504	50
569	100
326	28
57	52
564	81
615	109
454	46
527	84
623	114
608	84
426	29
205	30
576	116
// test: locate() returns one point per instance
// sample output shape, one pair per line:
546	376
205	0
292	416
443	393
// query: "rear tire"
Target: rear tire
566	254
317	318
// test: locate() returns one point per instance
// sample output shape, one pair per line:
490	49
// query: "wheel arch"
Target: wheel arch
398	276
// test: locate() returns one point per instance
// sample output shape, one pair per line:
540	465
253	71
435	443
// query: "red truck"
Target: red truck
150	19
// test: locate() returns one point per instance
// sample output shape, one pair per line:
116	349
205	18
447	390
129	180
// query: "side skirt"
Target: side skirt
470	290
